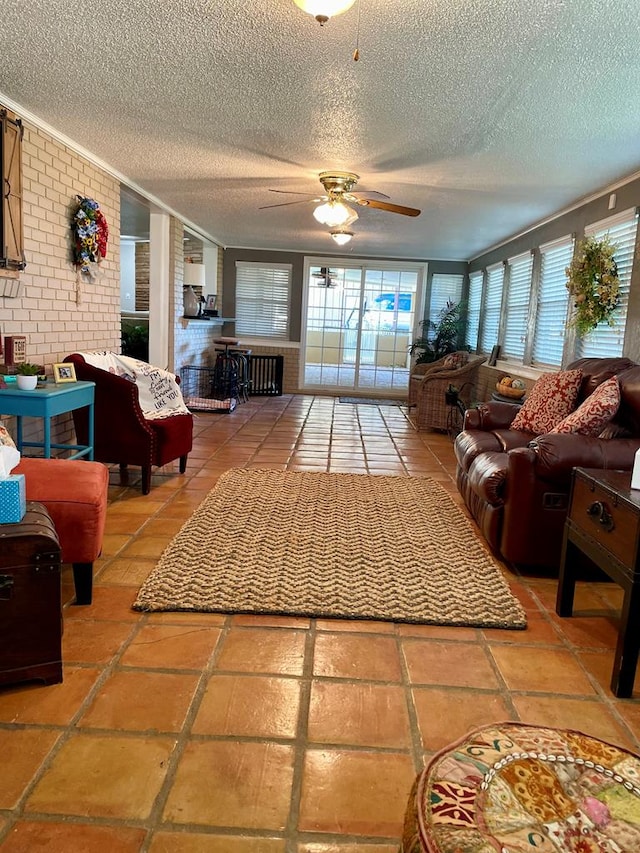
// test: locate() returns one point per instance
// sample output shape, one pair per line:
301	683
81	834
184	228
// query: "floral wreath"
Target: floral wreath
592	279
90	232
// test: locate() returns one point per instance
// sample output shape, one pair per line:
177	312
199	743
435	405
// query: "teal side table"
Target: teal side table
47	401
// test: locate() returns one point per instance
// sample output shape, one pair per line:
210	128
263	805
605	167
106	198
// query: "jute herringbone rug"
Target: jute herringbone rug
347	545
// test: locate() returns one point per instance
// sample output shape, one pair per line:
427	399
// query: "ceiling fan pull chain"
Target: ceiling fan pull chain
356	52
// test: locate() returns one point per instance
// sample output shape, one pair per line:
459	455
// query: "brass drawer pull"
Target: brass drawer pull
598	511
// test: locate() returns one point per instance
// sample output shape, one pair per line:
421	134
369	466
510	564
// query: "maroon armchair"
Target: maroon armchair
121	433
516	485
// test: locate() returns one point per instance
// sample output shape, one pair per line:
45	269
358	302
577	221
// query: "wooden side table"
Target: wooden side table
500	398
603	523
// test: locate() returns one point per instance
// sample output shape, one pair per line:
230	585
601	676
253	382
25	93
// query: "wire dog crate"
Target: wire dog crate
207	389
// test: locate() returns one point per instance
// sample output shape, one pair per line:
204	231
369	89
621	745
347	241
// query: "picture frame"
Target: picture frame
64	372
211	303
495	355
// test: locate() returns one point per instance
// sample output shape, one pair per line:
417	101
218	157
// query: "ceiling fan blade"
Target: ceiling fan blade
289	192
356	193
286	203
392	208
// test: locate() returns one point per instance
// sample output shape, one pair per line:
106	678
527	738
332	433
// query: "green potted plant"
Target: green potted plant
27	378
442	336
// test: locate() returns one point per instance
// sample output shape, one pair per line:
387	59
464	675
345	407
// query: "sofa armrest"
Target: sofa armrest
489	416
558	454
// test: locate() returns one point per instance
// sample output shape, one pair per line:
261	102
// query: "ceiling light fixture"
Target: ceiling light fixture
334	214
341	237
322	10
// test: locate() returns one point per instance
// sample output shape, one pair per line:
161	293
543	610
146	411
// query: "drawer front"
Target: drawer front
615	527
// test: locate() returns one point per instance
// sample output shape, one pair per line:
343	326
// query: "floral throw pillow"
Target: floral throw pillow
595	413
551	399
5	438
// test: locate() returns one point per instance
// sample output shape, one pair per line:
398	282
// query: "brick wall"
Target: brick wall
48	309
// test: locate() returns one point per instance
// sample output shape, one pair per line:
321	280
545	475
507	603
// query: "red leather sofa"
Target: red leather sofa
516	485
121	433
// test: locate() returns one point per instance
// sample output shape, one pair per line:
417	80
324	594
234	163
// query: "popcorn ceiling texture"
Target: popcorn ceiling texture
489	116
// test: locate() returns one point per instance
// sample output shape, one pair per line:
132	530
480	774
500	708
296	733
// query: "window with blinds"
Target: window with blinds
606	341
552	303
517	306
444	288
491	308
263	294
474	302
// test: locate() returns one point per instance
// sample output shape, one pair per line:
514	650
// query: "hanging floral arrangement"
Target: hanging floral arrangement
90	234
592	281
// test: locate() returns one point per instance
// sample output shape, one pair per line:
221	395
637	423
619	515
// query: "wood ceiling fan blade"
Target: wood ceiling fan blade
392	208
356	193
289	192
287	203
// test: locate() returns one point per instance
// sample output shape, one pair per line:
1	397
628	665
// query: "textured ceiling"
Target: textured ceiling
489	115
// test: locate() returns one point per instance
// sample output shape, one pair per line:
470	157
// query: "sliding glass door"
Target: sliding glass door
359	321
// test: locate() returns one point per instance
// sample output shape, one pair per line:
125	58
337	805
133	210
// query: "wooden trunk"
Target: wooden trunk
30	601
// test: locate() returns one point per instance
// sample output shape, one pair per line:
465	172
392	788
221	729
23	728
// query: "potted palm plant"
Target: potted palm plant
442	336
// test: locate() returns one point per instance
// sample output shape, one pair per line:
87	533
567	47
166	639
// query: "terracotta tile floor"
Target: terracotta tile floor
237	734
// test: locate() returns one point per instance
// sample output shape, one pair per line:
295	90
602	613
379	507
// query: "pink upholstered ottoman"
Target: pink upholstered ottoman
75	495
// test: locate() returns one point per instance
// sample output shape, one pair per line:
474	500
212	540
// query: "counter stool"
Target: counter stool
224	381
242	356
231	370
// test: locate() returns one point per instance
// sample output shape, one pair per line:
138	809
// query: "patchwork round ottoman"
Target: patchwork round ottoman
514	788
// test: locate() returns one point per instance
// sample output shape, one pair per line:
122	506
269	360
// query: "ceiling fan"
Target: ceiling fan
324	277
333	209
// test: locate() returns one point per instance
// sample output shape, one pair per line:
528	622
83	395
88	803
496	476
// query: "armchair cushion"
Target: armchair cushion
551	399
594	414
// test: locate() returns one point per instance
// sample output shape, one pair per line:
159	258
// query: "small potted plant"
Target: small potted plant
27	378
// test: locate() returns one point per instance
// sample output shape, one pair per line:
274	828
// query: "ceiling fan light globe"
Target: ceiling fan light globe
322	10
342	237
334	214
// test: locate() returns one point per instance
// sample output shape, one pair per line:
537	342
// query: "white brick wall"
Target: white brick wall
46	310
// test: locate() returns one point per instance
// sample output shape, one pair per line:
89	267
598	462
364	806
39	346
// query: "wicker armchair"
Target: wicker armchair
417	375
427	386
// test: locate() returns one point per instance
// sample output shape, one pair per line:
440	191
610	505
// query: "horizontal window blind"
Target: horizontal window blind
444	288
473	310
517	309
262	299
606	341
491	308
552	303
